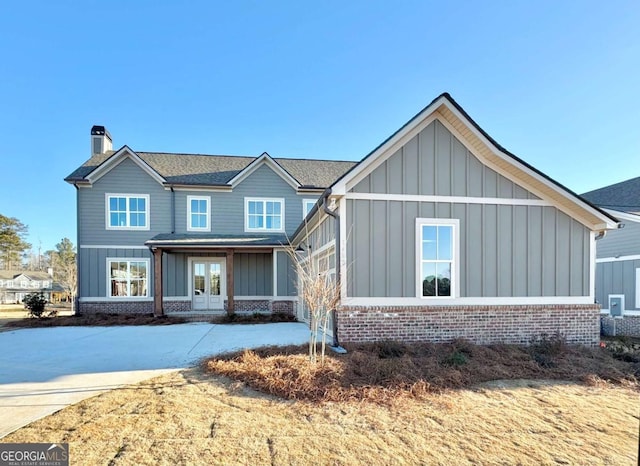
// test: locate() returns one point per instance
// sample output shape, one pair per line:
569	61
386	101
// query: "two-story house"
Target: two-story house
438	233
16	284
200	233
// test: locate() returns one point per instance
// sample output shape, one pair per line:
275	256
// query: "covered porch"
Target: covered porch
194	274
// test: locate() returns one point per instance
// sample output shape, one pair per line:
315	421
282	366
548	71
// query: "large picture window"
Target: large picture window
437	251
264	214
128	278
126	211
198	213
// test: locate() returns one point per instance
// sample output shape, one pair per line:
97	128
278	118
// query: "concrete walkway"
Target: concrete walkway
45	370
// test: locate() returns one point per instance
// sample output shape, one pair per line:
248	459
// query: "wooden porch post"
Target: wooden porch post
157	283
230	293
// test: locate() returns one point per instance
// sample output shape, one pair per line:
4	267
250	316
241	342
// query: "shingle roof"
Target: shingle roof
623	196
33	275
199	169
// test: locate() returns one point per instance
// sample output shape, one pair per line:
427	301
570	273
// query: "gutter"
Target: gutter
173	211
336	217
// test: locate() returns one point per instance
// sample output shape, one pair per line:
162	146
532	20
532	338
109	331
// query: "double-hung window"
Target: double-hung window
307	205
198	213
128	278
437	251
127	211
262	214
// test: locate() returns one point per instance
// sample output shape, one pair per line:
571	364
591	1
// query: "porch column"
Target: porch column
157	283
230	292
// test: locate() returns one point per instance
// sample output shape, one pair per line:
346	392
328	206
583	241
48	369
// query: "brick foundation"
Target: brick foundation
578	324
116	307
628	326
176	306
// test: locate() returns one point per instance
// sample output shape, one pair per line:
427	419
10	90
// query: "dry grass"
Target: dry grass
193	418
100	320
385	372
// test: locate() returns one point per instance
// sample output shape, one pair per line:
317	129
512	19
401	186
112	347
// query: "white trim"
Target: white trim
109	246
264	200
455	246
102	299
633	257
638	288
115	160
266	298
325	247
592	265
630	313
127	196
430	114
449	199
274	260
176	298
342	211
264	159
207	199
149	278
623	215
305	212
541	179
197	188
513	301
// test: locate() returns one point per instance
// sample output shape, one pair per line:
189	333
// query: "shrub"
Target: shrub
457	358
35	303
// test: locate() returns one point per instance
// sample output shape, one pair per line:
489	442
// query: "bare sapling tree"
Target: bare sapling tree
65	271
320	293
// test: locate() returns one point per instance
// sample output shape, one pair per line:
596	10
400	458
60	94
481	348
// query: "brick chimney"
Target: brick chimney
100	140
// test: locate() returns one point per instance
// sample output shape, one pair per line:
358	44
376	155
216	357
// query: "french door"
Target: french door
208	285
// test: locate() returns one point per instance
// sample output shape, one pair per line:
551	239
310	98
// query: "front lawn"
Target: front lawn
456	413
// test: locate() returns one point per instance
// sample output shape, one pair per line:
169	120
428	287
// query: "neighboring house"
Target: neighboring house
15	285
618	259
439	233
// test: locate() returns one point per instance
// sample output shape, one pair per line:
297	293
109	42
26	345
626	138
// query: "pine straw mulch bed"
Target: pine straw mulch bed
97	320
387	371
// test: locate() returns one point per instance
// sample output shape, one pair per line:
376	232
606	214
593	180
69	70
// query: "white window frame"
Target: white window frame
305	202
24	284
207	199
107	212
109	260
1	283
264	200
45	284
455	258
10	284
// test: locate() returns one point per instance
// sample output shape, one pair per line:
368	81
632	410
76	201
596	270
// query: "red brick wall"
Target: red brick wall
578	324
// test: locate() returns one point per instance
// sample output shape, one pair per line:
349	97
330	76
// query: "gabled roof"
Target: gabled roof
623	196
445	109
217	170
30	274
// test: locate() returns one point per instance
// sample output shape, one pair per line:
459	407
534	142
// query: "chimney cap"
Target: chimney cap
98	130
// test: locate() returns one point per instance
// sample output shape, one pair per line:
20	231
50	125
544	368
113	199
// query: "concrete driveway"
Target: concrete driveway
45	370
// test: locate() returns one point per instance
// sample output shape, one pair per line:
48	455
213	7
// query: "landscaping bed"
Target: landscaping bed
96	320
385	372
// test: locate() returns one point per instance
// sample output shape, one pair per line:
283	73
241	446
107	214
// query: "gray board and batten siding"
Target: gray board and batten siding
253	272
618	278
505	250
125	178
227	208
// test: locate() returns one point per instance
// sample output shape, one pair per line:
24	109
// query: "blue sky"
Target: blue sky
556	83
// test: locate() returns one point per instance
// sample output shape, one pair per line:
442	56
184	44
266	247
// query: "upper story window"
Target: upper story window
437	251
127	278
45	284
24	284
262	214
127	211
307	205
35	284
9	283
198	213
